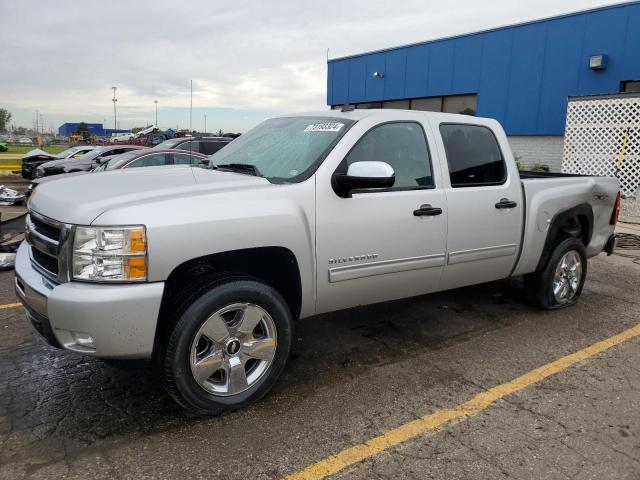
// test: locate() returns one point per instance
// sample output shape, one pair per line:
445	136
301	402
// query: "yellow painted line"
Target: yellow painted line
10	305
439	418
6	166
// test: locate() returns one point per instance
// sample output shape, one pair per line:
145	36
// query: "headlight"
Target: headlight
110	254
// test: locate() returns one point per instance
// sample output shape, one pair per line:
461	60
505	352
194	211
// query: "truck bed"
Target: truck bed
533	175
547	194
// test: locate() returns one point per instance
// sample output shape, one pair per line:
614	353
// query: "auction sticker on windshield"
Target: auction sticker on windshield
324	127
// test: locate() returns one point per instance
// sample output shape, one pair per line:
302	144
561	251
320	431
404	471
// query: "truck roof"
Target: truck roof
359	114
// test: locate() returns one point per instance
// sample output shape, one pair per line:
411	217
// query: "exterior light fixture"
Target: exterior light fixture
378	74
598	62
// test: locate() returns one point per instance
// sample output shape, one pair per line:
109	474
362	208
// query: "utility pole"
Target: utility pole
156	102
191	108
115	115
37	129
205	123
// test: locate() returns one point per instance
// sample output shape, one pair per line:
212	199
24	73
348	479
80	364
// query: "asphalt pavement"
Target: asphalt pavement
355	376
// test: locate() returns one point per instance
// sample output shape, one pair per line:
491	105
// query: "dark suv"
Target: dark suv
204	145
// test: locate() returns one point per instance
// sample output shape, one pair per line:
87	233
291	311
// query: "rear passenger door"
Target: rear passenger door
484	224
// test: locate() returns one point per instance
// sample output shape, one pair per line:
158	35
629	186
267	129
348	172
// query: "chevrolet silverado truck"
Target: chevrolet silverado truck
206	270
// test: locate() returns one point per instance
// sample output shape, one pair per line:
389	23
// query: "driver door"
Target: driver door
373	246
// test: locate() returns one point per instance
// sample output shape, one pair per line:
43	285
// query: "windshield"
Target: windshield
169	143
117	161
91	154
68	152
284	149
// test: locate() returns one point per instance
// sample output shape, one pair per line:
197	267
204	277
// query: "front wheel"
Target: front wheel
228	347
560	283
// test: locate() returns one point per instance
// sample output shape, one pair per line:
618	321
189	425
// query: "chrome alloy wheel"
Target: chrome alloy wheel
233	349
567	277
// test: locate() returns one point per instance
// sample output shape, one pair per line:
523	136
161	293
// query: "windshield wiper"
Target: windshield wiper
239	168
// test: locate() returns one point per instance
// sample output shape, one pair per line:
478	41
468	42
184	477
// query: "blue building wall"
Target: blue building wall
522	74
97	129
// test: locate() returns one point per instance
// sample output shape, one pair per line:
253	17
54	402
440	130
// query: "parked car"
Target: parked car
206	270
122	137
25	141
205	145
83	164
148	157
33	159
152	157
4	147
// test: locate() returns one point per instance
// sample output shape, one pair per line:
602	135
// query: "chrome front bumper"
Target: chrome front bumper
114	321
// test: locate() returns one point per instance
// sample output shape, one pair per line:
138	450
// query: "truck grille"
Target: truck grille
47	238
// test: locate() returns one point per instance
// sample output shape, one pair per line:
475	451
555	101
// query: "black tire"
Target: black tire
539	285
175	354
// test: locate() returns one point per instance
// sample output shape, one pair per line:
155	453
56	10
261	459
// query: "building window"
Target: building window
398	104
464	104
369	105
632	86
433	104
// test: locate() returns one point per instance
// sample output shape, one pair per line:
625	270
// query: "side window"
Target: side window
403	146
153	160
473	155
186	159
209	148
192	146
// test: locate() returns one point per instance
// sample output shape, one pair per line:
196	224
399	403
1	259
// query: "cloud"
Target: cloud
248	56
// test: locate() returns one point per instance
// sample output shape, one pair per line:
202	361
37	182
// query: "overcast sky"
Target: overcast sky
248	59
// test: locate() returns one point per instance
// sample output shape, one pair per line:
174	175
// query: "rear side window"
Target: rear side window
403	146
209	148
152	160
473	155
192	146
186	159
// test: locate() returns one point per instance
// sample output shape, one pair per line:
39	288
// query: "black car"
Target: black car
204	145
87	162
37	157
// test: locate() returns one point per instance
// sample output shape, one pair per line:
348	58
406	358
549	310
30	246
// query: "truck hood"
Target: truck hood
81	199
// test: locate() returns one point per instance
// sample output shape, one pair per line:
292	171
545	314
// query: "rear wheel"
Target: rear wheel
228	347
560	283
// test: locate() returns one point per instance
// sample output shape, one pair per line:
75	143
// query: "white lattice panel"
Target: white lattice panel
595	139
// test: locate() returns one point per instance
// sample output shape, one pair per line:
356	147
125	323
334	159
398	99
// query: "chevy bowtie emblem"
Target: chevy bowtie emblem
233	347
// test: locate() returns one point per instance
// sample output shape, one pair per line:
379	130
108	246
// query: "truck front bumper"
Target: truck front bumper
111	321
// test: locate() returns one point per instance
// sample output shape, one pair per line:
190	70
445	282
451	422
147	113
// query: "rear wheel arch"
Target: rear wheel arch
574	222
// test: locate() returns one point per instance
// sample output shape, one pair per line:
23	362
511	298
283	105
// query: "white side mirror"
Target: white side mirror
370	170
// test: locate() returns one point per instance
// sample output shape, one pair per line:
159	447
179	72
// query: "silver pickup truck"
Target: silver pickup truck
206	270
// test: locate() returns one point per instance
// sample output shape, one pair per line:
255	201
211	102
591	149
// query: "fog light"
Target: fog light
83	339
